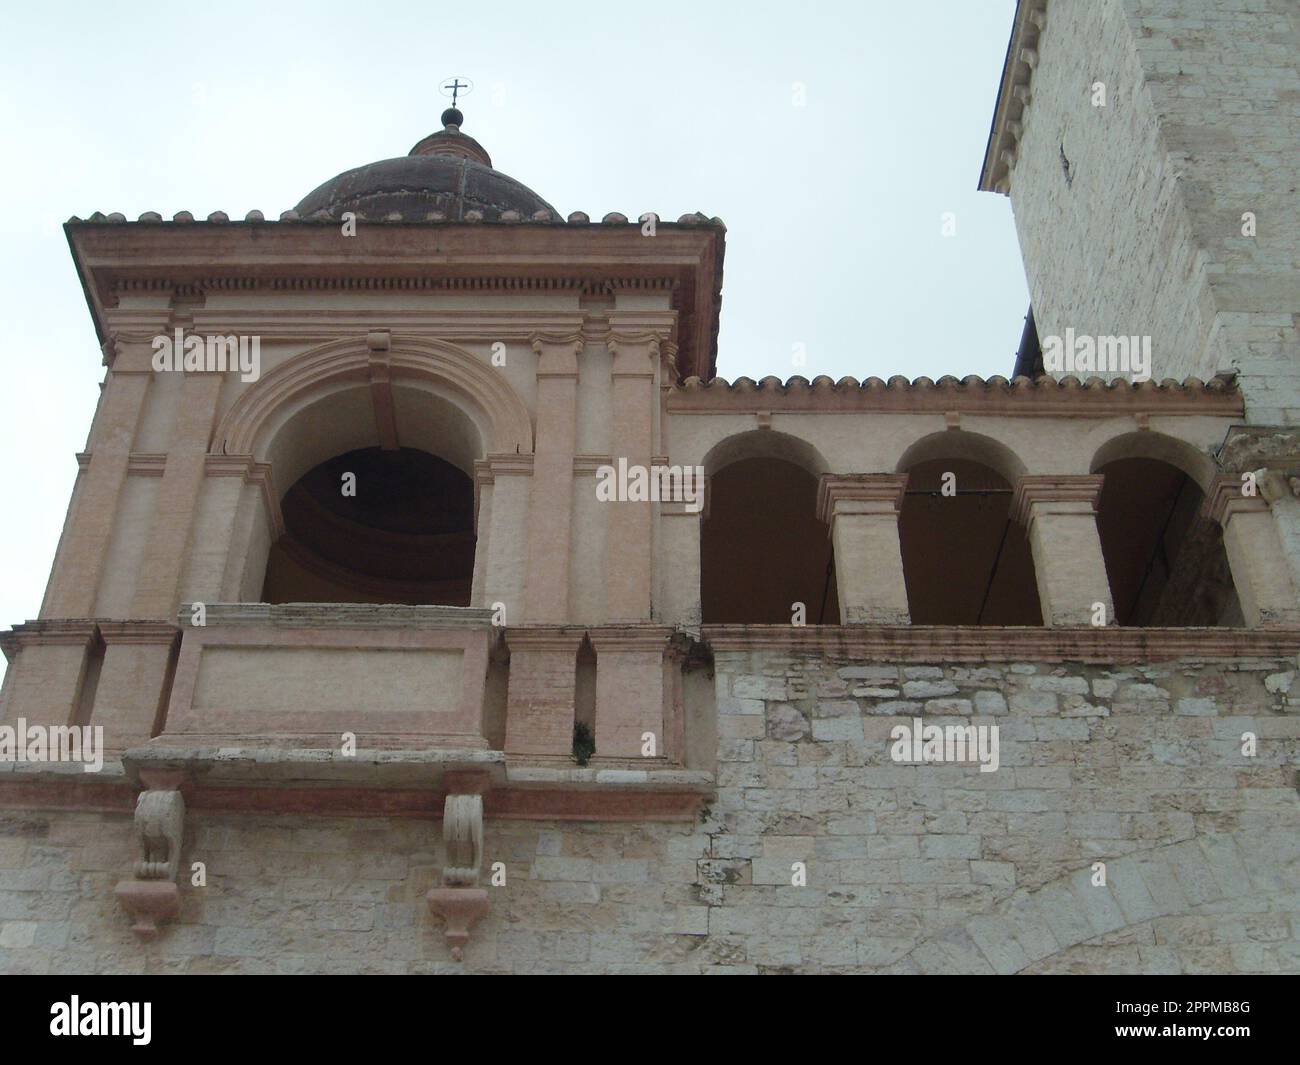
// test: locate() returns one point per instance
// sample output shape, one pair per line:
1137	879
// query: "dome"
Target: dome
447	172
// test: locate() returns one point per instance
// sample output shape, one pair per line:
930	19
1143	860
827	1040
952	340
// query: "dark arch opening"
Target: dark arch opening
405	536
1165	561
964	560
762	548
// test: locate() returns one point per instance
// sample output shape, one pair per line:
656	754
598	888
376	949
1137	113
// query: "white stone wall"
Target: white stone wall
910	868
1144	236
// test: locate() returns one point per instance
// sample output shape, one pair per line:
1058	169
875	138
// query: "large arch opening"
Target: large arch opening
375	526
1165	560
342	399
765	558
965	561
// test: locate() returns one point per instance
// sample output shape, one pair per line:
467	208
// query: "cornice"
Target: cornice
990	643
1014	95
1045	396
1033	490
114	256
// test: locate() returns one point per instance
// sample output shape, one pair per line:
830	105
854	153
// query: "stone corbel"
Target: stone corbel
461	902
152	895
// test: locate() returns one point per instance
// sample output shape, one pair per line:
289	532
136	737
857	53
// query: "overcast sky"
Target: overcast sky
834	208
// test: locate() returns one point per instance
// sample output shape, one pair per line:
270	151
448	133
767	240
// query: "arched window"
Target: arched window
762	549
1165	560
964	560
376	526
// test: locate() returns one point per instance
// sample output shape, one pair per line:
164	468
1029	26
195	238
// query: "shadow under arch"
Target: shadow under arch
1146	444
434	366
960	443
765	558
417	418
965	561
1165	558
765	444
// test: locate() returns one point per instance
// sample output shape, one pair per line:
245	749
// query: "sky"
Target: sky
831	138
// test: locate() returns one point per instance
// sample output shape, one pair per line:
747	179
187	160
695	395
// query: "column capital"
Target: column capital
612	639
1225	498
557	353
1082	490
879	493
487	470
636	353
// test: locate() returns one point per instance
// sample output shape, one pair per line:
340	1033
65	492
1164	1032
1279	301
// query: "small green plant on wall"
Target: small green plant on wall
584	743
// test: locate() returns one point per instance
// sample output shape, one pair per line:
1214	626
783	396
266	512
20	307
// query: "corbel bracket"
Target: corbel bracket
460	902
152	895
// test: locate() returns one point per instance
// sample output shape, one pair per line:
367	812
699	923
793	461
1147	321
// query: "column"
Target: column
862	512
509	478
79	563
680	524
635	395
550	508
1060	515
158	590
1260	570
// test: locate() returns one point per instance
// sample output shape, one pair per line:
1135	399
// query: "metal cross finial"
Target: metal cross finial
456	85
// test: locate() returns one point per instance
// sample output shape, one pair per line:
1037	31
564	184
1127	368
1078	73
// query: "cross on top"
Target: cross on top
456	85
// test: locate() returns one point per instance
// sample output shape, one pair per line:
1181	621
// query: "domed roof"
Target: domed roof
447	173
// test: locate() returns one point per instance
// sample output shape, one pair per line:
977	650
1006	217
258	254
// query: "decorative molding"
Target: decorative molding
881	492
1225	499
460	902
139	464
1014	96
77	632
350	358
153	896
254	473
989	643
339	616
1034	489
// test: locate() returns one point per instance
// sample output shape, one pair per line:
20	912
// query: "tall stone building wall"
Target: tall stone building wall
1130	213
910	868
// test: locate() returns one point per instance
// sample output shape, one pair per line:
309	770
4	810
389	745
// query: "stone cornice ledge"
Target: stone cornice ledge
1014	95
373	783
339	616
945	643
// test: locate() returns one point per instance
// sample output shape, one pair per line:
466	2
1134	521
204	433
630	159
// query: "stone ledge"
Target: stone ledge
322	782
339	616
952	643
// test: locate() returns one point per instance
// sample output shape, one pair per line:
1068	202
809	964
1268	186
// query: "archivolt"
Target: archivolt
306	377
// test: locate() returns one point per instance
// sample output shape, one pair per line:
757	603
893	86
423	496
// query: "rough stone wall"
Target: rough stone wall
1144	234
1224	79
910	867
